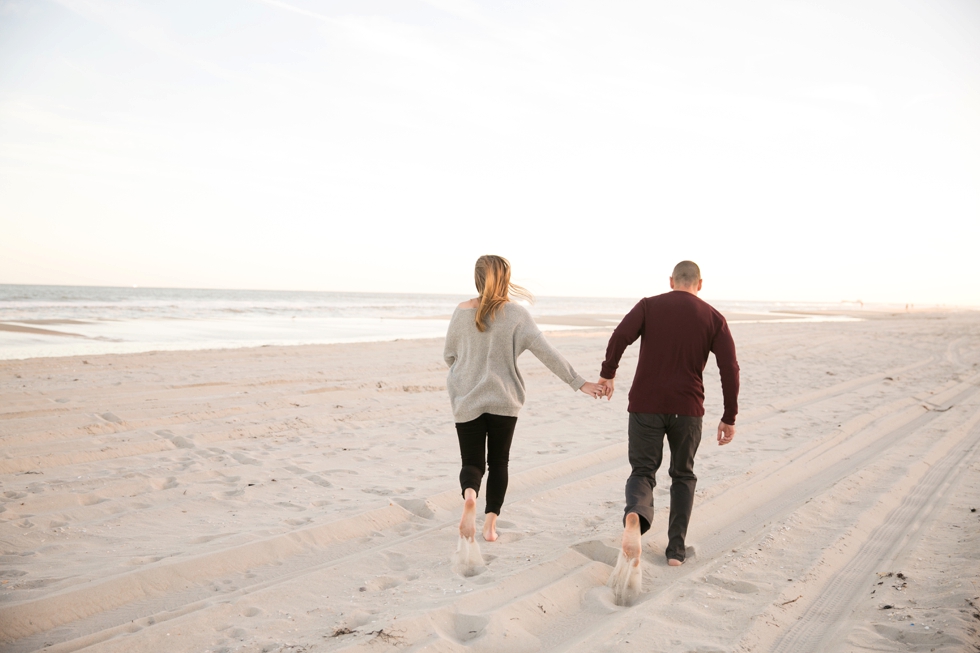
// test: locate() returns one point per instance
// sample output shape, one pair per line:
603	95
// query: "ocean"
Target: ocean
38	321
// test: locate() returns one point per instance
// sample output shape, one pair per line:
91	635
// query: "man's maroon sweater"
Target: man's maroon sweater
678	330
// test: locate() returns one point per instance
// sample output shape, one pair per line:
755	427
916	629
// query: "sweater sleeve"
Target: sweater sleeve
724	350
624	335
449	351
533	340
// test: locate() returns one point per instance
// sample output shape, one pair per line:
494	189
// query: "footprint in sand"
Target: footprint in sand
395	561
469	626
291	506
418	507
598	551
462	627
317	480
245	460
382	583
510	536
164	483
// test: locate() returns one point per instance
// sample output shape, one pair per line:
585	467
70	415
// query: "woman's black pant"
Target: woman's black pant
482	441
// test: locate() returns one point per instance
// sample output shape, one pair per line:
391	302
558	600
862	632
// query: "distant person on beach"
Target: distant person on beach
677	331
486	336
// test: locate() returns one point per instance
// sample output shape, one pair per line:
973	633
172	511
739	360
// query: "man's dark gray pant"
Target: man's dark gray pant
646	452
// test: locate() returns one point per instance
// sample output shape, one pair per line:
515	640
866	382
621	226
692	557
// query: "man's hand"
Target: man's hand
609	386
726	433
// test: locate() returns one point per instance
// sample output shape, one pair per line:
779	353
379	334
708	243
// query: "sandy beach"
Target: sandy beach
305	498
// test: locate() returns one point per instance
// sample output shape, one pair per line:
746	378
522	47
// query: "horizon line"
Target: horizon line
860	303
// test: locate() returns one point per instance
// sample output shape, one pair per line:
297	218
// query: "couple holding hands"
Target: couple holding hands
677	331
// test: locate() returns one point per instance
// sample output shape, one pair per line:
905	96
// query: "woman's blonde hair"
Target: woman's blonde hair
492	276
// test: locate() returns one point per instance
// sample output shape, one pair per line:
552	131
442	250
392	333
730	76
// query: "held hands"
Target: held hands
726	433
604	388
593	389
608	386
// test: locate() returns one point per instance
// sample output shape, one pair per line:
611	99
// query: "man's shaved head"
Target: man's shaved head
686	274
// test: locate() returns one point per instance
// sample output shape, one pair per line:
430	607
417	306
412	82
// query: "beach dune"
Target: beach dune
306	498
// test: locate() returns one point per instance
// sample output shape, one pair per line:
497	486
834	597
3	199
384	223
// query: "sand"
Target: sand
305	499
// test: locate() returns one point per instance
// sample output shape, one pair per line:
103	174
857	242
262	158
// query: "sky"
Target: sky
797	150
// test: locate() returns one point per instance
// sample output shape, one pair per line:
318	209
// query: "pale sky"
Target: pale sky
797	150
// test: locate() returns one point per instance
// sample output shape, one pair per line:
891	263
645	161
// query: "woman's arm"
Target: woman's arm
449	350
529	337
554	361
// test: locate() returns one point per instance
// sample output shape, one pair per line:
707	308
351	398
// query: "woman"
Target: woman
486	335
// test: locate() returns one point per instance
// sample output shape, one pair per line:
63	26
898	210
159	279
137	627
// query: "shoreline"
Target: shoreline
123	337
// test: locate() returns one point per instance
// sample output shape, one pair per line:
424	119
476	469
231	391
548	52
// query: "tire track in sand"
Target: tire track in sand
820	625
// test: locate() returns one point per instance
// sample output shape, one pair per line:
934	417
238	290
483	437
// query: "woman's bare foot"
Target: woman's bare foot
490	527
631	537
674	563
467	523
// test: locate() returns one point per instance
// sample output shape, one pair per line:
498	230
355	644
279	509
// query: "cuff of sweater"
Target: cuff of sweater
607	372
577	383
728	419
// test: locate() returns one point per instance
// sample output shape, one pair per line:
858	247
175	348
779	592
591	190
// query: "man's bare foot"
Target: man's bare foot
631	537
674	563
490	527
467	523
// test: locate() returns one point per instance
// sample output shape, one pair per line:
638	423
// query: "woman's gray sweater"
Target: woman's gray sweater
483	374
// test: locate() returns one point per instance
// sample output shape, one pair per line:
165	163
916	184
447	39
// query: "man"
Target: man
677	331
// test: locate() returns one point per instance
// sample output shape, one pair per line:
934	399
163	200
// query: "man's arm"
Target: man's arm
622	337
724	350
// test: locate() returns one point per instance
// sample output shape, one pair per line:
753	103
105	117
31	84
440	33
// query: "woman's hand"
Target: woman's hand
593	389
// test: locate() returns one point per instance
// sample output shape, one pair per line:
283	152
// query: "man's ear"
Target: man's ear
672	283
700	281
